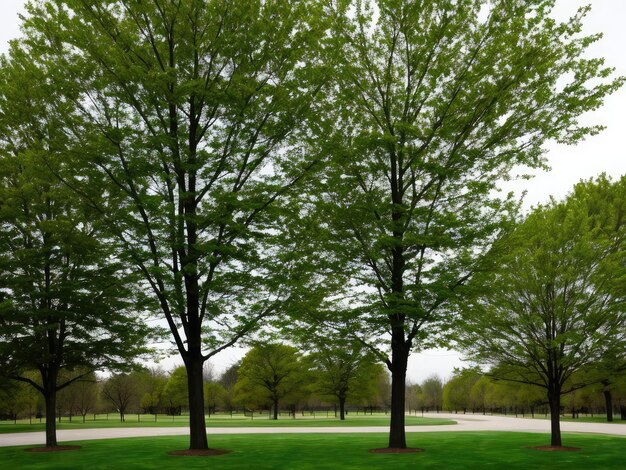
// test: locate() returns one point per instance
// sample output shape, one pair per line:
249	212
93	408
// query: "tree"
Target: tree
432	392
554	305
81	396
457	391
18	398
435	103
479	391
344	370
213	395
187	114
228	380
175	394
122	391
271	372
66	302
154	385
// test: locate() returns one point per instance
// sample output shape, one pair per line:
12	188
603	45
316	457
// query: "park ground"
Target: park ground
477	441
443	450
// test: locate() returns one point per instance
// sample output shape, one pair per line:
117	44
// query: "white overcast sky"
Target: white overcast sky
602	153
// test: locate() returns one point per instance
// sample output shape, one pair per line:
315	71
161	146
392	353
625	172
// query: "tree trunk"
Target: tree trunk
197	425
608	400
554	399
50	398
275	409
51	425
342	408
49	382
399	359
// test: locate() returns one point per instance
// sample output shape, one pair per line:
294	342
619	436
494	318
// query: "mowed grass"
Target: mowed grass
133	421
443	450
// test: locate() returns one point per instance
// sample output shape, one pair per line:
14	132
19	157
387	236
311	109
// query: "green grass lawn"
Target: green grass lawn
132	421
443	450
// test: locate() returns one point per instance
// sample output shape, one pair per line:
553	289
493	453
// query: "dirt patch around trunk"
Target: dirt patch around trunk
395	450
200	452
555	448
52	448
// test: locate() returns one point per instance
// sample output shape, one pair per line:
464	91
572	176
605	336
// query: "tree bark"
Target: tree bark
554	399
399	360
50	396
342	408
608	400
275	409
197	425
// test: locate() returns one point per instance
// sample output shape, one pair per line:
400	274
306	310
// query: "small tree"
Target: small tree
228	380
175	393
344	370
271	372
122	391
553	306
154	384
457	391
213	395
432	392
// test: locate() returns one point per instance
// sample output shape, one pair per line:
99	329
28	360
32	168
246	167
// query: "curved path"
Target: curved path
465	423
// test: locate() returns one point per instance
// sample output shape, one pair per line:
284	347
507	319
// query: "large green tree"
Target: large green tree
435	102
187	115
554	305
65	302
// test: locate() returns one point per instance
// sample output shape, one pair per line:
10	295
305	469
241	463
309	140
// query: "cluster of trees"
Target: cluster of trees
229	164
271	376
471	390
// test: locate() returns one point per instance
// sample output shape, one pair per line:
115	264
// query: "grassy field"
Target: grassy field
319	419
449	450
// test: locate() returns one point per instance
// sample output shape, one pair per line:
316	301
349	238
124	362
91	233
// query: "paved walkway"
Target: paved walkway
465	423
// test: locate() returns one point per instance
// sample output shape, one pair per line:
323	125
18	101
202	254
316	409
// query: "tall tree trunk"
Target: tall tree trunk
342	408
275	409
49	377
554	399
197	425
399	360
50	396
608	400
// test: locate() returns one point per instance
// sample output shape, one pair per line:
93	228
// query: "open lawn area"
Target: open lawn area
133	421
449	450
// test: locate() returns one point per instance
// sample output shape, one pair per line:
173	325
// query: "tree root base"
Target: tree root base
555	448
200	452
395	450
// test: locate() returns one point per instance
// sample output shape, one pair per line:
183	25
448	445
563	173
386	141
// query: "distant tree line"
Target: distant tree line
472	391
271	378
